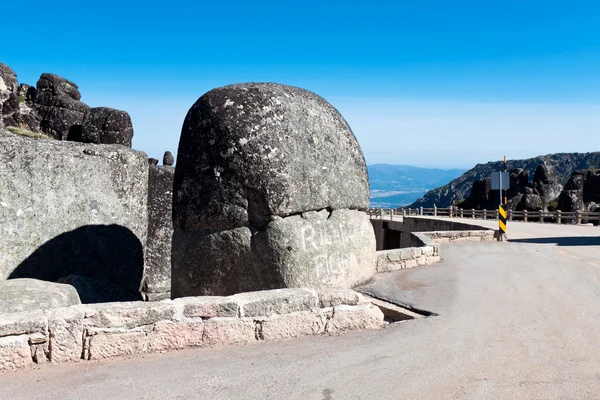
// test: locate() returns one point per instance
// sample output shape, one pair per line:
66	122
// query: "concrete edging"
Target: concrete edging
106	330
429	251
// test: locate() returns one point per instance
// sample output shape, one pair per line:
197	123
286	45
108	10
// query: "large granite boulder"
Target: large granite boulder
519	181
591	186
531	202
8	92
25	114
546	183
253	160
17	295
576	181
481	197
157	283
103	125
58	106
168	158
72	209
571	200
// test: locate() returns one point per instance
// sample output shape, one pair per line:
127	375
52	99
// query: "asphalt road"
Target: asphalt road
517	320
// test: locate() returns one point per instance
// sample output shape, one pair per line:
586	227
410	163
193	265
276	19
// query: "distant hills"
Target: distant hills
563	163
397	185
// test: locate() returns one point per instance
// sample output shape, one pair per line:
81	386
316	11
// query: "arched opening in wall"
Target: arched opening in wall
104	263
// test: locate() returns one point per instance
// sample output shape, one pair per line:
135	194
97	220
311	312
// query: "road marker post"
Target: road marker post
500	181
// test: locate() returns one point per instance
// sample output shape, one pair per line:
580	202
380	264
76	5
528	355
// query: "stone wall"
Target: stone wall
407	243
102	331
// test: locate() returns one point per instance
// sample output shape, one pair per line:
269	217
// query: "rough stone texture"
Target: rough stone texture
208	306
290	325
129	314
58	106
335	297
65	327
157	283
18	295
100	331
152	161
26	322
313	249
480	195
582	188
222	331
168	159
322	249
108	344
531	202
265	176
103	125
281	301
545	182
260	149
359	317
167	335
14	352
576	181
8	90
69	208
591	186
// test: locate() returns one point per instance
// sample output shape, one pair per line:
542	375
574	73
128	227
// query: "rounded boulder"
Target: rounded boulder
262	149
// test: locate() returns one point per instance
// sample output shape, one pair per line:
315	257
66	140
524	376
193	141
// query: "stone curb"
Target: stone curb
429	251
107	330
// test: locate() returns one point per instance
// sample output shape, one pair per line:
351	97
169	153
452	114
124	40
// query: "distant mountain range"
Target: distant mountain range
397	185
564	165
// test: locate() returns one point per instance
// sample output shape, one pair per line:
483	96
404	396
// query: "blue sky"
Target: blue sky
428	83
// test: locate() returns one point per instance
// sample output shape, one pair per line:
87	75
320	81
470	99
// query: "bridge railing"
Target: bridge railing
558	216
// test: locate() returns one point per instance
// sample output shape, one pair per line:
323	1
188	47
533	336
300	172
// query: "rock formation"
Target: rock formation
61	112
546	183
157	283
103	125
17	295
72	209
267	183
168	158
581	192
563	164
8	92
54	108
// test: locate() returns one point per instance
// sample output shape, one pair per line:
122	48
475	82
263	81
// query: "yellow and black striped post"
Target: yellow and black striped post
502	221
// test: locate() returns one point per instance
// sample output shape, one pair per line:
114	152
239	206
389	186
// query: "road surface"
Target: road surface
517	320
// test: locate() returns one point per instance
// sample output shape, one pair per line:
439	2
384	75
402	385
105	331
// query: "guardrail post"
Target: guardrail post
541	216
403	213
510	215
434	210
450	211
524	215
461	213
421	211
484	214
558	216
473	213
391	214
578	217
496	215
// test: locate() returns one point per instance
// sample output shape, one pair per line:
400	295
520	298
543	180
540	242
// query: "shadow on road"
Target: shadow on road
563	241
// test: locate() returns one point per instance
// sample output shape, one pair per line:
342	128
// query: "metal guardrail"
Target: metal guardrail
575	217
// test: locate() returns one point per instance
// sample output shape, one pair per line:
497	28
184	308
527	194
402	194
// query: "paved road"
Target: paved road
517	320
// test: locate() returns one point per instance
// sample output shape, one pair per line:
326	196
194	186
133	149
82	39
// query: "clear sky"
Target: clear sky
424	83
